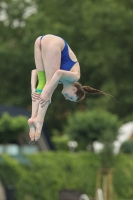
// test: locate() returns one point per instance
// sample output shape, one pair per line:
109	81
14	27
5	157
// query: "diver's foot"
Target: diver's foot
38	125
32	129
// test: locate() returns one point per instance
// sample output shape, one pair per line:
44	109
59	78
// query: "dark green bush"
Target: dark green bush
127	147
11	127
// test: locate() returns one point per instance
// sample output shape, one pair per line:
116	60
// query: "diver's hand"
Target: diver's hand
34	95
44	98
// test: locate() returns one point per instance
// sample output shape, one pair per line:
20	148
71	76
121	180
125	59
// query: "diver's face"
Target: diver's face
69	94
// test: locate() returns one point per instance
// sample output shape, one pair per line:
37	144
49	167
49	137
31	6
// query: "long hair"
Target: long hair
82	90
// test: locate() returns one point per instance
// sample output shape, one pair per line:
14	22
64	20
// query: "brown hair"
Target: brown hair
82	90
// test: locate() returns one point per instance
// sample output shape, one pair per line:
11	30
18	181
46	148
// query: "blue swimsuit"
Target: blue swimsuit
66	62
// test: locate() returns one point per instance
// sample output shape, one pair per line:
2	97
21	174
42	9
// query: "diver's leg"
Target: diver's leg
35	105
51	56
38	121
42	80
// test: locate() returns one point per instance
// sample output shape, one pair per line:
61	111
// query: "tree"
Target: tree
89	126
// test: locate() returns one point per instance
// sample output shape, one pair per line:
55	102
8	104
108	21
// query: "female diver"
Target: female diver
55	64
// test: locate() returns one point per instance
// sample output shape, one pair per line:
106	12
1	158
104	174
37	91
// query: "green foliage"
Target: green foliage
12	170
12	173
107	157
61	142
87	126
97	125
127	147
122	177
49	173
11	127
15	12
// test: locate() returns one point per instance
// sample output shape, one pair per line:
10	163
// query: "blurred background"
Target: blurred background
86	148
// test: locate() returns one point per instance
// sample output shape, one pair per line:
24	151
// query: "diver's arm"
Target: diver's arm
70	76
49	88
